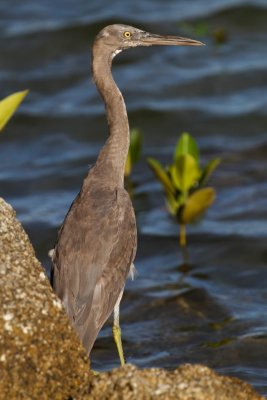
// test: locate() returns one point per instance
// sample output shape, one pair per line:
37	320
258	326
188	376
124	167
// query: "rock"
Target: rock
188	382
40	355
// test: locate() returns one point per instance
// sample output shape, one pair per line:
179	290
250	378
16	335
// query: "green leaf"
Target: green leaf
197	204
172	204
201	29
208	170
161	175
186	145
128	165
9	105
185	172
135	145
134	150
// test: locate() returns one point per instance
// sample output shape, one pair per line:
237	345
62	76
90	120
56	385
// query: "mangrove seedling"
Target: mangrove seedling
9	105
184	183
134	151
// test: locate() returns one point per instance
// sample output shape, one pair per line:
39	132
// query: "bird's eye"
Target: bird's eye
127	35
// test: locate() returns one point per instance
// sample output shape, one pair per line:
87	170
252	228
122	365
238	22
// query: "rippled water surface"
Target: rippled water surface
214	310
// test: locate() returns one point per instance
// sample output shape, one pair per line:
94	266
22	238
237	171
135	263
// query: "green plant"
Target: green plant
134	151
183	181
219	35
9	105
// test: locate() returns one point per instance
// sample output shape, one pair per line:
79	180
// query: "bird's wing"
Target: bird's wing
114	274
96	246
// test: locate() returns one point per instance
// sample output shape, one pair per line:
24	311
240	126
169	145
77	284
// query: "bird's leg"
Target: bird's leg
116	330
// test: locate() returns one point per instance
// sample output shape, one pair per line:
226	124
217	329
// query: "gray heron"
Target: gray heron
96	243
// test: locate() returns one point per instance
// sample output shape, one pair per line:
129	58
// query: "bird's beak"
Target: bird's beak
150	39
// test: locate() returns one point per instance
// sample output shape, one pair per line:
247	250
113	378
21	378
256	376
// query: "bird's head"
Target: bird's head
120	37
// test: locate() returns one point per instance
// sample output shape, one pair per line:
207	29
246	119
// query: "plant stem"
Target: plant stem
182	239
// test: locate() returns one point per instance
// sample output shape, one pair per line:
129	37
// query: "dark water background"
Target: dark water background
216	313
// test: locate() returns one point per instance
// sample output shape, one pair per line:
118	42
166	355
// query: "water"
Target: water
212	311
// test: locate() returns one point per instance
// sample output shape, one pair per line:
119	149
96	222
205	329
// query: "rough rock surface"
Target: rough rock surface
40	355
42	358
188	382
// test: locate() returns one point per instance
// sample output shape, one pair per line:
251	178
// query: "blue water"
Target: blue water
214	310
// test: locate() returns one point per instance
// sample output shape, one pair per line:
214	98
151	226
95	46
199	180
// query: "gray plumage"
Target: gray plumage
97	241
96	259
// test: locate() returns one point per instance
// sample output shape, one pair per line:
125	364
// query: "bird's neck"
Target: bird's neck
110	163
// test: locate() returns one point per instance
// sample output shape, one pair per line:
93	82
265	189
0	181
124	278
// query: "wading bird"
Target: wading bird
96	244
